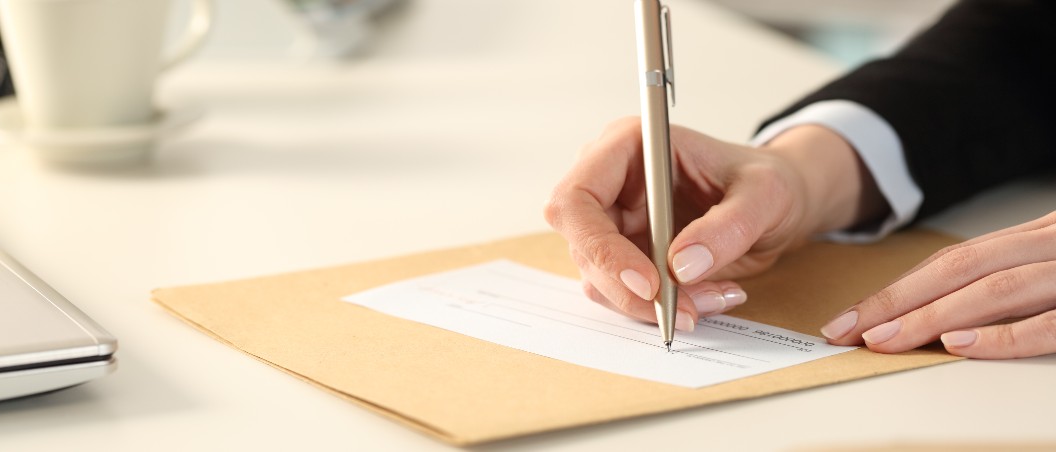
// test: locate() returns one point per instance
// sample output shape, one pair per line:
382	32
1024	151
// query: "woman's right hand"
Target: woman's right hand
736	210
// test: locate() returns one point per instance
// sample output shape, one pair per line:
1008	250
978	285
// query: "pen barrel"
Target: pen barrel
656	148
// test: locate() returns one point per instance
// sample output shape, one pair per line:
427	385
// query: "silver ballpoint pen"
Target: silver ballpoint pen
653	32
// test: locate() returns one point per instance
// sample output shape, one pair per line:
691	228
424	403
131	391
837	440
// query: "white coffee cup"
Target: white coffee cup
82	65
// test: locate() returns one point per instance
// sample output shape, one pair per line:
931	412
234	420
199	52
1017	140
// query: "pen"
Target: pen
653	35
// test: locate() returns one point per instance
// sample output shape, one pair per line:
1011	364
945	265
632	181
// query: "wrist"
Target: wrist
839	190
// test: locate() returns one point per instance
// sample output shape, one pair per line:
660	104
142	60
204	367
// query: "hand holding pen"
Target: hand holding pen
734	209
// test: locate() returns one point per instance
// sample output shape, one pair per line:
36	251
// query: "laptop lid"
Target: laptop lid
41	332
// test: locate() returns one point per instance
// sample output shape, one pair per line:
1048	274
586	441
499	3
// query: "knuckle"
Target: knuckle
1002	284
1004	337
1027	338
741	230
598	252
888	301
929	315
957	263
623	304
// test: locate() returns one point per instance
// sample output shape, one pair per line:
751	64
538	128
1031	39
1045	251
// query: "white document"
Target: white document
538	312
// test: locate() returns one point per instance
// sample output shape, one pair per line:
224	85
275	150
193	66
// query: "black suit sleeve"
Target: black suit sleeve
972	98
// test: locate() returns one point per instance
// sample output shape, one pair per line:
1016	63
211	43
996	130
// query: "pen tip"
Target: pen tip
668	344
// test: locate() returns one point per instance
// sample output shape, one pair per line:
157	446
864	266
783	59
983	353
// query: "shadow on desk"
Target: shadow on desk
95	402
207	158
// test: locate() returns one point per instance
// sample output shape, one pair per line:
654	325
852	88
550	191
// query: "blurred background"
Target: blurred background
849	31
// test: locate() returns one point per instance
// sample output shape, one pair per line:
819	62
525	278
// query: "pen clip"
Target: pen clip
669	54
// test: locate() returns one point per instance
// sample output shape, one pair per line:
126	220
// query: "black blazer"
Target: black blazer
973	98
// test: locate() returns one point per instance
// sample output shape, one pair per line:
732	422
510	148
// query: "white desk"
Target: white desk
453	132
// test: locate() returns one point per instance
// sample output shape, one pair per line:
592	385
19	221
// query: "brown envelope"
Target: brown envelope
466	391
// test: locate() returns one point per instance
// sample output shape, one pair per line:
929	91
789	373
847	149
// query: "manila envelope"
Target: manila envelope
466	391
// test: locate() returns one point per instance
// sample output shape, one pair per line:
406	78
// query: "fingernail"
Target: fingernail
841	325
683	322
882	332
735	297
636	283
959	338
708	302
692	262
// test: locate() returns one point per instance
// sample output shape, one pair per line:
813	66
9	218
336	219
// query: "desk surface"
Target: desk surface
453	131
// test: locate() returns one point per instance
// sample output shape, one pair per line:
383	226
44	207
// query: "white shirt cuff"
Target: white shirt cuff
877	145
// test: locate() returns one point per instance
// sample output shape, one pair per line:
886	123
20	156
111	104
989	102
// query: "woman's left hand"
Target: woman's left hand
956	295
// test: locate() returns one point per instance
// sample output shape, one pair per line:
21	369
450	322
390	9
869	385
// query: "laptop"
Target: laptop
46	343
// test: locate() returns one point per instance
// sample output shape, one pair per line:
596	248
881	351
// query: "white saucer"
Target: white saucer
92	146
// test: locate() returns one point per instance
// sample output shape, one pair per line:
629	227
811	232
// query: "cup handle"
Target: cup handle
194	36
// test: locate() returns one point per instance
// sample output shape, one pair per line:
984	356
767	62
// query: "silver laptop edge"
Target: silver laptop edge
80	349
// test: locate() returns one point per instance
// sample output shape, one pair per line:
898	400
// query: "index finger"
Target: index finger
953	270
608	172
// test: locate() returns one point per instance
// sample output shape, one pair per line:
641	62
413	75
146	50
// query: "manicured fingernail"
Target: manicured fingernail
959	338
708	302
841	325
735	297
692	262
636	283
883	332
683	322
